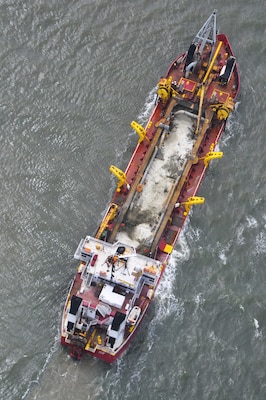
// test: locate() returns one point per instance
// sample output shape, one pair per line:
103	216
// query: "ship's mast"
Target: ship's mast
207	34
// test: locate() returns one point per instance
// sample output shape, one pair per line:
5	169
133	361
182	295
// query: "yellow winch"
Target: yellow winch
223	110
164	88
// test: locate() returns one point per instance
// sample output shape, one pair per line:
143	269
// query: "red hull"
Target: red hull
205	90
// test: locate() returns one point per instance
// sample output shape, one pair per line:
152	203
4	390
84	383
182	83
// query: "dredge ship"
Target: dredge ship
119	268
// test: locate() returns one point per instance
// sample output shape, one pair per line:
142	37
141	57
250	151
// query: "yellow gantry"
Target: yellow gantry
190	202
120	175
211	156
110	215
140	131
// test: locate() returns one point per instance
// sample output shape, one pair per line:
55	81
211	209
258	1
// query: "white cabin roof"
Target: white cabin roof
105	260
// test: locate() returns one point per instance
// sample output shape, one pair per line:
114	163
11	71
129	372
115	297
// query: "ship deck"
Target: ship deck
147	214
